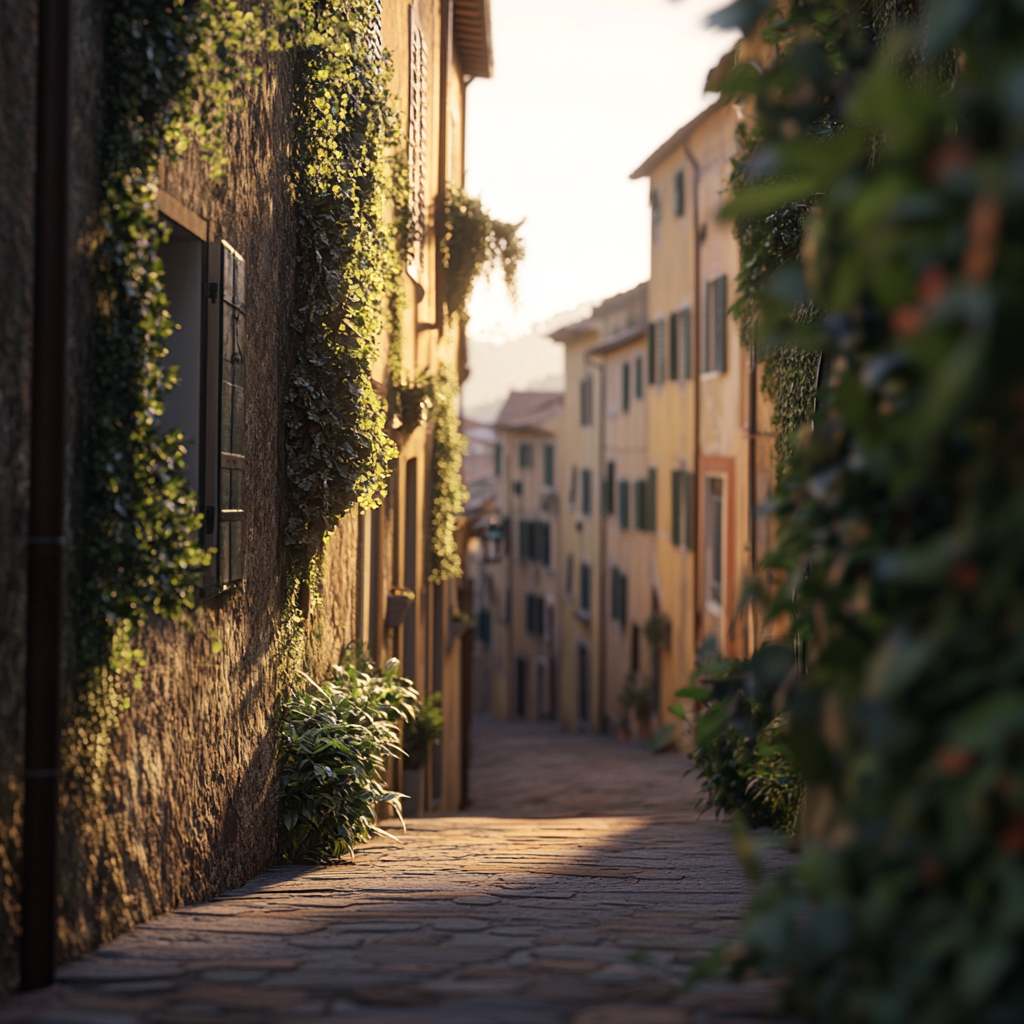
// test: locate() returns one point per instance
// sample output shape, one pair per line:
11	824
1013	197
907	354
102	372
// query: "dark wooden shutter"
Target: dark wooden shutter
625	387
651	499
231	511
609	490
677	506
659	355
640	516
673	347
678	183
650	352
686	330
720	323
623	505
709	326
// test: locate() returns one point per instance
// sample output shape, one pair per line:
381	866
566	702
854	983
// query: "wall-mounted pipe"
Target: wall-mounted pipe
45	606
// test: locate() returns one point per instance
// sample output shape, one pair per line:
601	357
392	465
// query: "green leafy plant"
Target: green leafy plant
337	450
740	739
899	514
336	738
423	732
474	244
449	492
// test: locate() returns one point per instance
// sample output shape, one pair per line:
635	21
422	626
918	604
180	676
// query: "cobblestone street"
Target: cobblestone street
579	887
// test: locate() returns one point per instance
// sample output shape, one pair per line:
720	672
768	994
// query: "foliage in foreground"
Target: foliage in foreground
336	738
740	751
900	516
422	732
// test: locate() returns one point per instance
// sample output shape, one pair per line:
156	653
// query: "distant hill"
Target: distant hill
531	363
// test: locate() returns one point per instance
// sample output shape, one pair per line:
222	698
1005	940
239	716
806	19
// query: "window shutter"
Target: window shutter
609	490
549	465
585	492
640	516
673	347
651	328
688	499
625	387
677	506
545	543
231	518
652	504
720	323
659	355
687	342
709	318
623	505
497	460
678	184
639	376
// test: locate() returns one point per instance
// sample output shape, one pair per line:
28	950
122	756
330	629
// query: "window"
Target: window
608	490
585	492
714	326
182	257
682	508
534	541
584	587
525	456
625	386
587	401
535	615
644	493
639	375
483	627
678	186
623	505
498	452
549	465
570	572
655	206
619	597
713	530
231	518
651	342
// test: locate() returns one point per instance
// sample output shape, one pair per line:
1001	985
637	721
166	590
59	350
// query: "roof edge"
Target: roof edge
645	169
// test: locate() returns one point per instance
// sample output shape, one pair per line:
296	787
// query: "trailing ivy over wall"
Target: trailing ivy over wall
449	492
171	72
337	449
474	244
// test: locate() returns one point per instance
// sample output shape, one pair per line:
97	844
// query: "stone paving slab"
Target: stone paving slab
580	888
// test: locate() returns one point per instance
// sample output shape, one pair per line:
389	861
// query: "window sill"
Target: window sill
583	614
711	374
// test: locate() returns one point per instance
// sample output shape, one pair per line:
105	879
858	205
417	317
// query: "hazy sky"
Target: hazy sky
583	91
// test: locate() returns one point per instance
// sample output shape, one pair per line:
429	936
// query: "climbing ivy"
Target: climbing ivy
170	77
338	452
450	493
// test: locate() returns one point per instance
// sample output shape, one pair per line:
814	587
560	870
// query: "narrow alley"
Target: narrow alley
580	887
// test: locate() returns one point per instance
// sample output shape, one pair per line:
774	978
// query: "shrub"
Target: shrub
336	738
741	740
422	732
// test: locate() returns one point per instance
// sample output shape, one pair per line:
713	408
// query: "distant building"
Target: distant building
520	589
584	480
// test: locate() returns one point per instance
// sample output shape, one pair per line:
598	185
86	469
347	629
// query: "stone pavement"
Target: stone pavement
579	888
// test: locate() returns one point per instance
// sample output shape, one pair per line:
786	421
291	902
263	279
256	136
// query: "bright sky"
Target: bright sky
583	91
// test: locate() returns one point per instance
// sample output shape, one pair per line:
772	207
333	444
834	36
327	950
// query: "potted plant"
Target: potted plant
636	703
422	732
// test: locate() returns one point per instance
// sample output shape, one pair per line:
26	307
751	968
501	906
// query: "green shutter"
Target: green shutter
709	318
650	353
231	515
687	342
677	506
623	505
625	386
720	292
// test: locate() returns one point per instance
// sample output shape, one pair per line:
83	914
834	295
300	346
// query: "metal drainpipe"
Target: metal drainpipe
45	607
752	478
602	667
695	338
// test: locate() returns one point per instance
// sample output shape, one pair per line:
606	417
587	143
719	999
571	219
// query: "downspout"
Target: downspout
45	606
695	338
752	479
602	669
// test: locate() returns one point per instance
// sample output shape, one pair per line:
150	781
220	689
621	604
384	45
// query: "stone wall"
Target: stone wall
189	804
